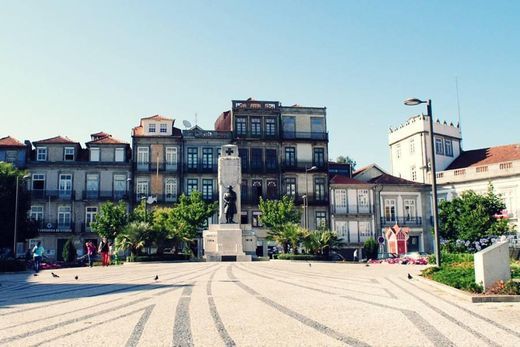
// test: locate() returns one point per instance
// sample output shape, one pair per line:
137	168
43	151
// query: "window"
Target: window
36	213
505	166
92	186
207	158
317	127
244	217
364	231
141	188
289	127
256	159
41	153
151	128
290	187
271	162
321	219
207	189
319	189
65	186
38	181
94	154
119	186
193	159
413	173
120	155
448	147
242	153
398	151
170	189
363	200
412	146
272	190
243	191
64	216
340	199
192	185
439	148
256	126
389	210
290	156
256	219
256	190
90	215
270	127
318	157
68	154
241	125
171	158
143	156
409	209
11	156
163	128
341	229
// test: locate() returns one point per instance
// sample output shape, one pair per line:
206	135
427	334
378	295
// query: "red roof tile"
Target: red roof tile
108	140
157	117
56	140
389	179
9	141
100	134
339	179
485	156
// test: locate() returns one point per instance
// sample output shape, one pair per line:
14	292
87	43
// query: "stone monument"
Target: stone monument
492	264
224	241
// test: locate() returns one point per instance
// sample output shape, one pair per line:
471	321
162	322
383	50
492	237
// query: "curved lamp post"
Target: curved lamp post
415	102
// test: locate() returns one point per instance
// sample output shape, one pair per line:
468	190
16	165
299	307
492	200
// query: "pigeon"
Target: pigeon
410	277
156	277
76	277
35	274
54	275
367	265
310	265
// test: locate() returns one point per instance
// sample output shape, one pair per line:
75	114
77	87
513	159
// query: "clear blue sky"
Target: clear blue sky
77	67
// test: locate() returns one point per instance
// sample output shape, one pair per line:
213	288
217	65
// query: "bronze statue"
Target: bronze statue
230	206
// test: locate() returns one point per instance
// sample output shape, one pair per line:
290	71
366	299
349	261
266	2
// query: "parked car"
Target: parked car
415	255
387	255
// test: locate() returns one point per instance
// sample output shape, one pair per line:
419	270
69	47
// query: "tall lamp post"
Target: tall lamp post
306	196
414	102
16	212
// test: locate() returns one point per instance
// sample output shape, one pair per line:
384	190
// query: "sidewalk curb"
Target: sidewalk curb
474	298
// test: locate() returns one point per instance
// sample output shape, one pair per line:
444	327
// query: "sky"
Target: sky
73	68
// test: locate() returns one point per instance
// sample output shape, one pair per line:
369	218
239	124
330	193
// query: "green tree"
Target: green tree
347	160
133	237
321	242
291	235
278	216
370	248
111	219
471	216
69	251
25	228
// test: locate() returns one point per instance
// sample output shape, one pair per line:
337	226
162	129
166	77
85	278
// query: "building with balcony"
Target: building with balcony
156	163
68	183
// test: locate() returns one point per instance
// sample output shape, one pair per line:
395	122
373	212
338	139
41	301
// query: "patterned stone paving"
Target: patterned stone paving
245	304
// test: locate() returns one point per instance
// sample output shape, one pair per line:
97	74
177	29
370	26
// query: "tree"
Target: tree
278	216
133	237
370	248
347	160
25	228
471	216
69	251
111	219
321	242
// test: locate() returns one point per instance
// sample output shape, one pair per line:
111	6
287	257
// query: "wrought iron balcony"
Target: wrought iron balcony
302	135
154	166
401	221
200	168
353	209
104	195
301	166
54	226
52	194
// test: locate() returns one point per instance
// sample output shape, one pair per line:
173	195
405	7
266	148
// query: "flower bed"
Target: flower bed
402	261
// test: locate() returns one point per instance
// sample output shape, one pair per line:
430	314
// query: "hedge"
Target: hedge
288	256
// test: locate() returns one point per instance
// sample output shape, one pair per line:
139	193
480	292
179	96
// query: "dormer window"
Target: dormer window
69	154
41	154
151	128
163	128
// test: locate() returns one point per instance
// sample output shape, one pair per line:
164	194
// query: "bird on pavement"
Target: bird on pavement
367	264
156	277
410	277
310	265
54	275
35	274
76	277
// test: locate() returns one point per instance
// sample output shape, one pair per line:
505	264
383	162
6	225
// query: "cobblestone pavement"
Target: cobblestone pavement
245	304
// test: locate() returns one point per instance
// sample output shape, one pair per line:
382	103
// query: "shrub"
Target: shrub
505	288
11	265
370	248
261	259
69	251
287	256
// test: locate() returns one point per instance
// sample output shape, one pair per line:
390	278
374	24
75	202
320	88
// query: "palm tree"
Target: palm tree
133	237
321	242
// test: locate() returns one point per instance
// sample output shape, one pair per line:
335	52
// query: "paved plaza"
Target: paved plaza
273	303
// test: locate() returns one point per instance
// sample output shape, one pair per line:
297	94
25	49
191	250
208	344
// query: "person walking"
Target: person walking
90	253
37	252
104	250
356	255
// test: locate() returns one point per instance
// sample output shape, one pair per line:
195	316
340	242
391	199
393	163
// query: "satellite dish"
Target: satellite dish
151	200
186	123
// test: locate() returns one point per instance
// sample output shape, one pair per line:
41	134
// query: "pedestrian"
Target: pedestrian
90	252
104	250
37	252
355	255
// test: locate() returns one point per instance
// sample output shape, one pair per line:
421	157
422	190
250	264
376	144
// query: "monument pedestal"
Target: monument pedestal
223	242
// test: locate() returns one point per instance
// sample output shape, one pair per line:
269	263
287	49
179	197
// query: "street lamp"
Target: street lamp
16	212
414	102
306	197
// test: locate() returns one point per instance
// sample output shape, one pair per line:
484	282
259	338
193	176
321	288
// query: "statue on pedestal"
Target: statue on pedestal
230	206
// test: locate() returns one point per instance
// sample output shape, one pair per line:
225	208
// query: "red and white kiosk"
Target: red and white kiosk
397	239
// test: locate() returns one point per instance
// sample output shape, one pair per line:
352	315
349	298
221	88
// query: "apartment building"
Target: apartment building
13	151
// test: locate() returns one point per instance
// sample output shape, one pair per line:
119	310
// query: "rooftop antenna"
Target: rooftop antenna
458	109
196	119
